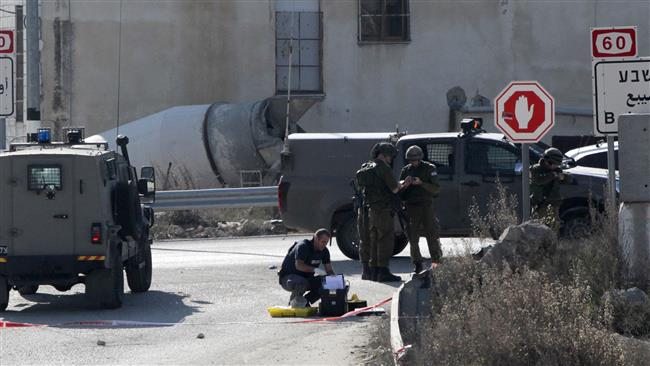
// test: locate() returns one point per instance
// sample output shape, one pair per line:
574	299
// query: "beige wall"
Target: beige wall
195	52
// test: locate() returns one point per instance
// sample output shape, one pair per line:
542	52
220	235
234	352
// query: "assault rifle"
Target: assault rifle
398	209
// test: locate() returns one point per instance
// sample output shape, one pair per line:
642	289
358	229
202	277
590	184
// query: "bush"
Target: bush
501	212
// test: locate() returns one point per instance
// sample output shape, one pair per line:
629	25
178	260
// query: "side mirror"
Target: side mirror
147	183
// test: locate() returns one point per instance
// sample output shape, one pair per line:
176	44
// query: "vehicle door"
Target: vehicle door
488	163
43	197
442	153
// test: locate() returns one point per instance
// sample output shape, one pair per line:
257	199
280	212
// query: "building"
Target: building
359	65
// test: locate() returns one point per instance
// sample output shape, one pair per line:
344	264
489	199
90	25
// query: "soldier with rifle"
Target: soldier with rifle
377	235
545	179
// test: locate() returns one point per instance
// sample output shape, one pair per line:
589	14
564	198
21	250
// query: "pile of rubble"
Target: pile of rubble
246	227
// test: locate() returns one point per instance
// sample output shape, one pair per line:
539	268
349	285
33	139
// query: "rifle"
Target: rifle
357	199
398	208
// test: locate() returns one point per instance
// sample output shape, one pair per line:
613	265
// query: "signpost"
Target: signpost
621	85
524	112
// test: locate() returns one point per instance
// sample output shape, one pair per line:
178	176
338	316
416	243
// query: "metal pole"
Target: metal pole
3	133
611	167
20	63
525	182
33	61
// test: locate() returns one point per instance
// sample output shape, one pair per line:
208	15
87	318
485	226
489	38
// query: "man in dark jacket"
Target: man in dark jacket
300	263
418	198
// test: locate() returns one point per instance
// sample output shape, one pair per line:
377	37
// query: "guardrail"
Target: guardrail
216	198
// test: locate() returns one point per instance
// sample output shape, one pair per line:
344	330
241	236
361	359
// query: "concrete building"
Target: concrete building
366	65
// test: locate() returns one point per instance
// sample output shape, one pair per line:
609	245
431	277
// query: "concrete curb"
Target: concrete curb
403	317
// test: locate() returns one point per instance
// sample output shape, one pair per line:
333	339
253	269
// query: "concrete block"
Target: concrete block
634	241
634	157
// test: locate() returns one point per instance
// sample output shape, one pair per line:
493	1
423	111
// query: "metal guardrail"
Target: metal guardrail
216	198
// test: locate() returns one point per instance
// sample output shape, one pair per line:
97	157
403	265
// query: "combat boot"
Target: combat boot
382	274
419	266
366	273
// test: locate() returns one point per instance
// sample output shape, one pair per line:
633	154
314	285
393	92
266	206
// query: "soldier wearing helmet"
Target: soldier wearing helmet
377	237
545	179
418	198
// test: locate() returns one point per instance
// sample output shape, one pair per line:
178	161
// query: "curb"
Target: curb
404	308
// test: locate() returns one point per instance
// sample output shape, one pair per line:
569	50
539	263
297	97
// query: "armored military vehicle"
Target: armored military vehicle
74	212
314	190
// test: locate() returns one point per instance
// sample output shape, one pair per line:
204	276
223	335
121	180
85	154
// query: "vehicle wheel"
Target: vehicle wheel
28	290
138	274
105	287
4	294
347	238
401	241
129	212
576	227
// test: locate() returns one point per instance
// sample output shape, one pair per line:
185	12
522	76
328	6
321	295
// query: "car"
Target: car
594	156
74	212
314	190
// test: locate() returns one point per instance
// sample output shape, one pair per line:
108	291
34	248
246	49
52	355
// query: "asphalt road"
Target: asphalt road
219	288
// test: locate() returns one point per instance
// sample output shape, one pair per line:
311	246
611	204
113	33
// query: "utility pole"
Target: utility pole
20	62
33	25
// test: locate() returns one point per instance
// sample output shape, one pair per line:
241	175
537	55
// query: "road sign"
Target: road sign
620	87
524	111
613	42
6	86
6	41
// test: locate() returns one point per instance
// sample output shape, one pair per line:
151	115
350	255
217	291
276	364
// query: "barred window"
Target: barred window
441	154
40	177
488	159
298	37
384	21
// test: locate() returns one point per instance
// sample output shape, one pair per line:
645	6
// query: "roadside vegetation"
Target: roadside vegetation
558	308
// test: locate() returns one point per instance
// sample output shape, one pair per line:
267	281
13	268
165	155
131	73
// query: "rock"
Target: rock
101	343
175	231
273	266
200	336
530	244
274	227
630	311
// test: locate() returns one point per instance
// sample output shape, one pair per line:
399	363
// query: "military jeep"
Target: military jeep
74	212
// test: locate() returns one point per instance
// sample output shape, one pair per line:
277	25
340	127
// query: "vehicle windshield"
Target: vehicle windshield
537	152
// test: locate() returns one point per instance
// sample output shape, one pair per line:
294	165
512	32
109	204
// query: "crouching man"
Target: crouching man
297	272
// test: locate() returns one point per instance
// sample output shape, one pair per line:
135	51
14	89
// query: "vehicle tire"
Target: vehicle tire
138	274
128	210
28	290
4	294
347	238
576	226
63	288
105	287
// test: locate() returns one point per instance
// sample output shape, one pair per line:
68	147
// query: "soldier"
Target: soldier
363	178
545	179
419	206
379	185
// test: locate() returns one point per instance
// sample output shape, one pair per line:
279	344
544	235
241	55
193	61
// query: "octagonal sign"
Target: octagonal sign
524	111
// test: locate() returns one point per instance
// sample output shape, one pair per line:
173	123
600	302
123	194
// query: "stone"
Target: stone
530	244
630	310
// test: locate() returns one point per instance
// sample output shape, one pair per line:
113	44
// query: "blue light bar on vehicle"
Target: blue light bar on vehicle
44	135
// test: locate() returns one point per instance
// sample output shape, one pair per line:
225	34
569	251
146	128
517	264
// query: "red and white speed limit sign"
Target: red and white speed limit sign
524	111
614	42
6	41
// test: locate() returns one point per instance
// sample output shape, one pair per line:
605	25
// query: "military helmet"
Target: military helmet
414	153
385	148
553	155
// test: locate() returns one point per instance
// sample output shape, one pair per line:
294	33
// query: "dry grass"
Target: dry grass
554	315
501	212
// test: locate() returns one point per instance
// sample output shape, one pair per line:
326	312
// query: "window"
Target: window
42	176
298	36
489	159
384	21
441	154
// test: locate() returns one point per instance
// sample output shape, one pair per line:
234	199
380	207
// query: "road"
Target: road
219	288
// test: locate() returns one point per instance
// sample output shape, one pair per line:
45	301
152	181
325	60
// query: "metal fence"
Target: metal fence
216	198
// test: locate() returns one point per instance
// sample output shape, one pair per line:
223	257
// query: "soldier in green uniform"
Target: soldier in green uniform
418	198
379	185
545	179
363	178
